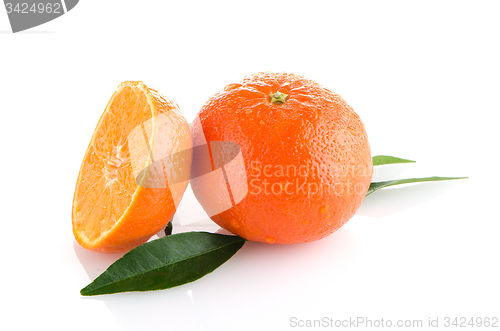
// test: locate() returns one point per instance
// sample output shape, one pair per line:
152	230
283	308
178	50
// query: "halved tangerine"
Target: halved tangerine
134	172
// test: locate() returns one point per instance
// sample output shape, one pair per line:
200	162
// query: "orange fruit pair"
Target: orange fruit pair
277	159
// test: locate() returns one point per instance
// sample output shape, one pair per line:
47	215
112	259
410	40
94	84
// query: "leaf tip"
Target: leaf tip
88	291
379	160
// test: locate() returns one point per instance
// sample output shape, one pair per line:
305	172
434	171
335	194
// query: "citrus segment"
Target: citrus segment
122	196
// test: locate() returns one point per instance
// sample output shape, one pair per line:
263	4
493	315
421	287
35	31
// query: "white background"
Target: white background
423	76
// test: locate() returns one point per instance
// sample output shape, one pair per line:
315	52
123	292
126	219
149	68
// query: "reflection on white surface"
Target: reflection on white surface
258	277
94	263
390	171
262	277
396	199
392	200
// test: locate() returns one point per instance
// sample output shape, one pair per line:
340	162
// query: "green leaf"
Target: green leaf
386	159
166	262
374	186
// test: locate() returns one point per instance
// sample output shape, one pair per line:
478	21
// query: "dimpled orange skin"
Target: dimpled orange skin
308	162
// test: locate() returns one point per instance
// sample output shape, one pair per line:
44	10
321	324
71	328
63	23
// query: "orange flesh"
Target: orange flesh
107	174
113	212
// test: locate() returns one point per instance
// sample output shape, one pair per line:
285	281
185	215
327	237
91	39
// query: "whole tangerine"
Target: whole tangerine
303	163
